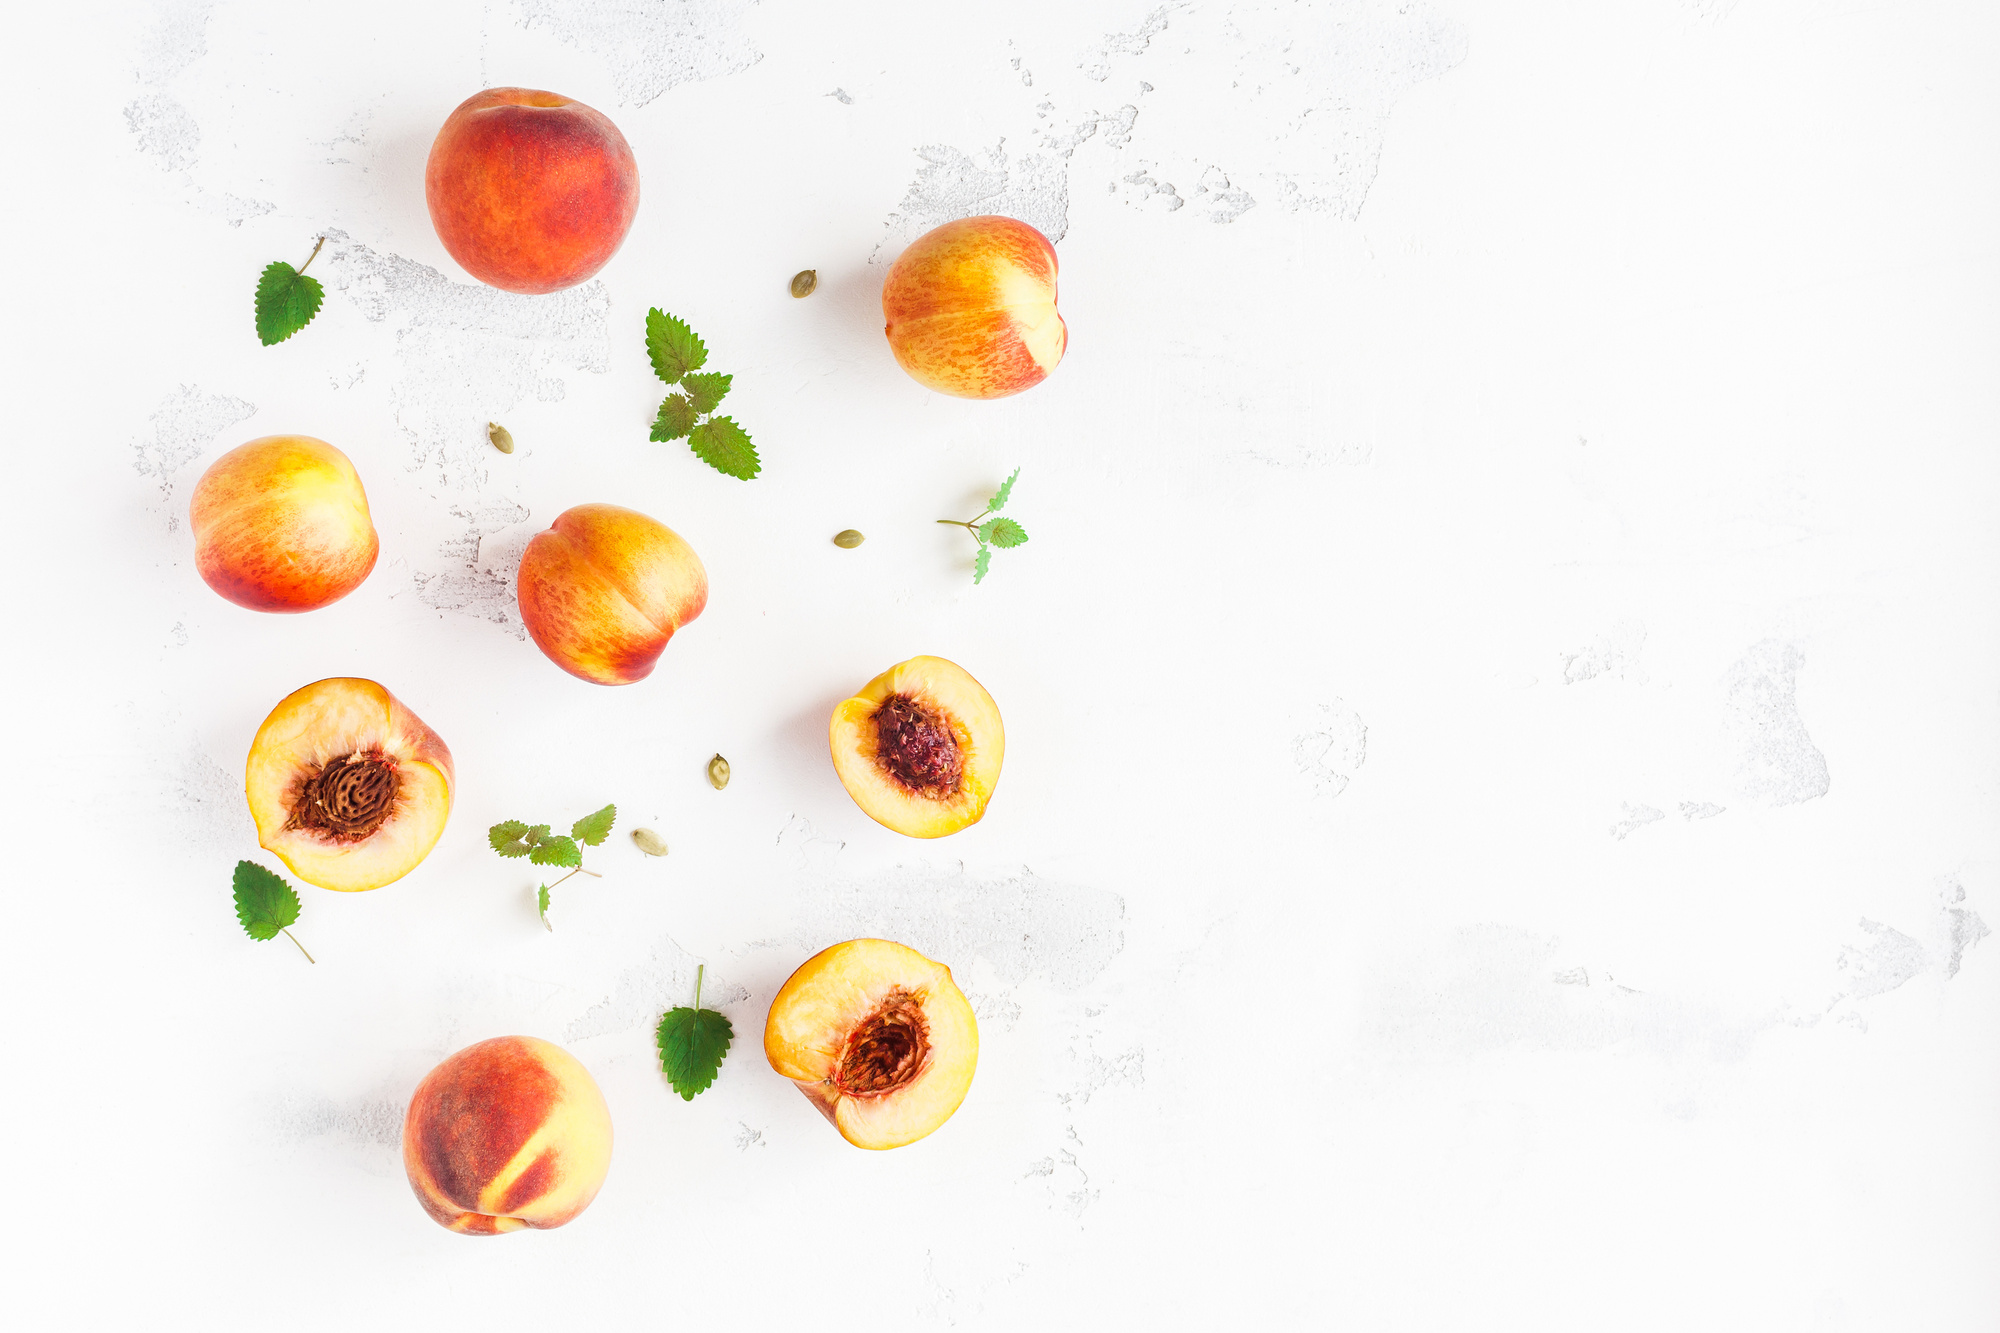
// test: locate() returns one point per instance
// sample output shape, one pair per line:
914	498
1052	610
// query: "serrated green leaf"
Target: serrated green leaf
707	389
723	445
556	851
509	838
1003	532
542	906
672	346
287	300
999	500
676	418
692	1043
594	829
981	562
265	904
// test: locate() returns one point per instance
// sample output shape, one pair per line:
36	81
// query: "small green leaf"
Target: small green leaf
692	1043
265	904
594	829
542	906
999	500
287	300
675	420
1003	532
722	444
556	851
707	389
980	563
672	346
509	838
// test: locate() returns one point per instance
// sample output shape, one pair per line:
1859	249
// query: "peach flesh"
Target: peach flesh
530	191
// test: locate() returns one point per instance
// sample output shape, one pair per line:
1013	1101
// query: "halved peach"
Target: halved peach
919	748
347	786
878	1037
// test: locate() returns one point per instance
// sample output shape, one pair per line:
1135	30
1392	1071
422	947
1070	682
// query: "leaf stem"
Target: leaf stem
302	948
699	969
314	255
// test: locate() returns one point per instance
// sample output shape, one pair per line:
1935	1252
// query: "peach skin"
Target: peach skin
282	524
970	308
507	1134
530	191
604	588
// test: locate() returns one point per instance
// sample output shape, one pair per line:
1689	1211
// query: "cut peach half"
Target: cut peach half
919	748
348	786
878	1037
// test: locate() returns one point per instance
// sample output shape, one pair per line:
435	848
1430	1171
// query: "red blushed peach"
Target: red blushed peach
530	191
971	308
507	1134
281	524
605	588
879	1039
347	785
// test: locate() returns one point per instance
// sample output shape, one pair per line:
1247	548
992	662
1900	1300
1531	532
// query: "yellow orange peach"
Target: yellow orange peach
282	524
604	588
970	308
507	1134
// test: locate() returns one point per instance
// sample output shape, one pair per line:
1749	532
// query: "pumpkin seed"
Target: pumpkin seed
848	540
804	281
718	772
502	438
651	843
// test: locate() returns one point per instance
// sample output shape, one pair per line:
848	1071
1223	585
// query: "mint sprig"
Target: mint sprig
265	904
1003	533
512	838
677	354
287	299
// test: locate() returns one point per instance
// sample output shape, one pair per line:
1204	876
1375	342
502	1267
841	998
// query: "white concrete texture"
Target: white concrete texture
1499	827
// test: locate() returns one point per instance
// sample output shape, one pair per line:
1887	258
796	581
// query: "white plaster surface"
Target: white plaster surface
1501	818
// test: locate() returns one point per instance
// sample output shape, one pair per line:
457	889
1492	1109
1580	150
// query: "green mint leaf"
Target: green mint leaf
692	1043
594	829
556	851
675	420
542	906
980	563
722	444
265	904
1003	532
707	389
509	838
672	346
287	300
999	500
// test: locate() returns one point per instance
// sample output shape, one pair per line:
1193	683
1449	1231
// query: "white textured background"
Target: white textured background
1503	697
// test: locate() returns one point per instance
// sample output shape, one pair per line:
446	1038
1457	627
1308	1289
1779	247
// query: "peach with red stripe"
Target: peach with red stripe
507	1134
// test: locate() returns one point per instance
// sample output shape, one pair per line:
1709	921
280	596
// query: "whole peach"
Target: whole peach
506	1134
971	308
530	192
604	589
281	524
